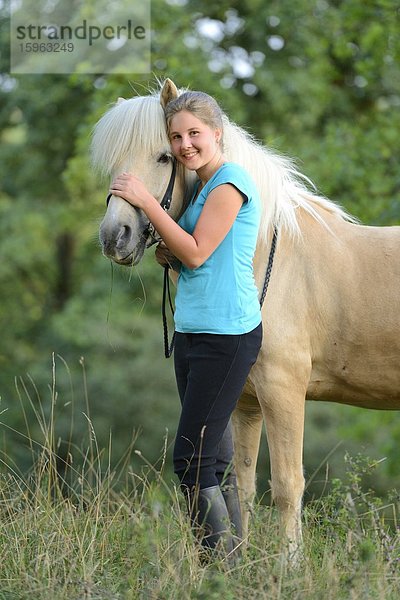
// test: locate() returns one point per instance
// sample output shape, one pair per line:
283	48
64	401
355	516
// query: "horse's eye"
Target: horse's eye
163	159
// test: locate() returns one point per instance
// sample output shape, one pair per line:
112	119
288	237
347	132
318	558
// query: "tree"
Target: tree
318	80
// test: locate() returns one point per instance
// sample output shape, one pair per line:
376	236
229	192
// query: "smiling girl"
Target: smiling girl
217	315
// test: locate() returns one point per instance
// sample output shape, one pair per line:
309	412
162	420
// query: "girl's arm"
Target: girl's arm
217	217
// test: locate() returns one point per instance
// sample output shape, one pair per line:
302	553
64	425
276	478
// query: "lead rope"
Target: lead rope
169	347
269	266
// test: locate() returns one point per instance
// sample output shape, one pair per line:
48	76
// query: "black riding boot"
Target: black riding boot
211	521
231	497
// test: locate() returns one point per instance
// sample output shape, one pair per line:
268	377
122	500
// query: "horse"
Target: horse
331	317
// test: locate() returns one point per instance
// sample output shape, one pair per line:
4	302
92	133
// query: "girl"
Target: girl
217	312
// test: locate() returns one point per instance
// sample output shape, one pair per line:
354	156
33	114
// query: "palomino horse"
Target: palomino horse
331	316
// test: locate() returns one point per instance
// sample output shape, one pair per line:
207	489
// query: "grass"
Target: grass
113	541
102	532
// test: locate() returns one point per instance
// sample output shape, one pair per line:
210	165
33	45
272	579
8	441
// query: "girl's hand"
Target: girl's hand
165	257
131	189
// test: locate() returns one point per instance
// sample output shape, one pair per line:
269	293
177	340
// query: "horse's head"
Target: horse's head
132	137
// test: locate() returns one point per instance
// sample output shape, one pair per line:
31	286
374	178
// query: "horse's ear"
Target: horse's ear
169	92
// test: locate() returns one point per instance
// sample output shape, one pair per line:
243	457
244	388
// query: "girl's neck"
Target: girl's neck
207	171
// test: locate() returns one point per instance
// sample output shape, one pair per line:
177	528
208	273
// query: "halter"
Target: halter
165	204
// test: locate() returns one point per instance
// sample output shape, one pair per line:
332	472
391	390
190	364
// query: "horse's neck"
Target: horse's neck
315	236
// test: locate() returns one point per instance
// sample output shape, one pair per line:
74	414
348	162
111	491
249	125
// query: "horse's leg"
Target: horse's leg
247	423
282	405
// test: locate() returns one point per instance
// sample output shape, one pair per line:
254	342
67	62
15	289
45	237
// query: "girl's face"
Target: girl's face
193	142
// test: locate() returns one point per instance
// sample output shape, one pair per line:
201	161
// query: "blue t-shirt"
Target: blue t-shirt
220	296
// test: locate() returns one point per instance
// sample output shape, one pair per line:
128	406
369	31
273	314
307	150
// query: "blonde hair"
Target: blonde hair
199	104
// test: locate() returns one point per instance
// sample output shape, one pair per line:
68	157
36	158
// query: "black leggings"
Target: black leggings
211	371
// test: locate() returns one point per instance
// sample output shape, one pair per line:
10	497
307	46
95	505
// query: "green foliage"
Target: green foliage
318	80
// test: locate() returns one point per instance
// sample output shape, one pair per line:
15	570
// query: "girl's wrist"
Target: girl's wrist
148	202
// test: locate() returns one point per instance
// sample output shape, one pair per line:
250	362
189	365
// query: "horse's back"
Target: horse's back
335	303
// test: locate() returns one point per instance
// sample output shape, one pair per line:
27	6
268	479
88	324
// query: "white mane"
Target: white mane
283	189
138	126
134	126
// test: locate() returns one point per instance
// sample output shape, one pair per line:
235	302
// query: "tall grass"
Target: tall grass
82	529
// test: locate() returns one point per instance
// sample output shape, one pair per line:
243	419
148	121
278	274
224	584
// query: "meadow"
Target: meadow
83	529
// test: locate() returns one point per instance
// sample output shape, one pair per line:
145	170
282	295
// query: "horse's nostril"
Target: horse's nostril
123	236
126	231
